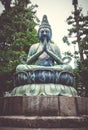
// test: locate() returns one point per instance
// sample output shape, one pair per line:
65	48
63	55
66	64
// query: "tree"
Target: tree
17	34
78	30
78	33
6	4
81	74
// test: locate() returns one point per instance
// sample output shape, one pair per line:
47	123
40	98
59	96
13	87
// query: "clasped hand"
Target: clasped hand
45	46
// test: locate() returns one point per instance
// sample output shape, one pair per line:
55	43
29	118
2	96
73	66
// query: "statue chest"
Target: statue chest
44	55
44	60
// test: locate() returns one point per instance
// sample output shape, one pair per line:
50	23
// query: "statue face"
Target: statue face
44	33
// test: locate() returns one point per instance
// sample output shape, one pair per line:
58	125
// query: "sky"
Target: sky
57	12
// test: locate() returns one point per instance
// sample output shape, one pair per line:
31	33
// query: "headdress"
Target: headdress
45	23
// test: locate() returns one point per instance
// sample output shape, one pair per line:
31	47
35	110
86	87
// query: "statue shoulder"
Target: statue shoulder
33	48
55	47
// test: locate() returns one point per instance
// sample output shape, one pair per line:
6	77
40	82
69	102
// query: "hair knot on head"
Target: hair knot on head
45	23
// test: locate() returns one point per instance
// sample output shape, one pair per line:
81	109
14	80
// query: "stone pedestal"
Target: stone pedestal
41	112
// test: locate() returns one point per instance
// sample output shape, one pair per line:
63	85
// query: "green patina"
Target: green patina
48	66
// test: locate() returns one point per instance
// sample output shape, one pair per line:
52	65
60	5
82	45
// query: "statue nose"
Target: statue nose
44	32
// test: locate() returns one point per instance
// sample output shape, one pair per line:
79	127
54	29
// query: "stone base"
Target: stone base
11	128
43	122
40	112
44	106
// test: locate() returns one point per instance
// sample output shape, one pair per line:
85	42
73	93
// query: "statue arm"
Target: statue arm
33	55
55	55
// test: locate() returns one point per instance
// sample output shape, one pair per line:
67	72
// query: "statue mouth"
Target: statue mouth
44	37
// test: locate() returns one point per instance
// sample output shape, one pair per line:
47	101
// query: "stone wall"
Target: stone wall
41	112
44	106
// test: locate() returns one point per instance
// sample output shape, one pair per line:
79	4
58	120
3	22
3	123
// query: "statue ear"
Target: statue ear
50	33
39	34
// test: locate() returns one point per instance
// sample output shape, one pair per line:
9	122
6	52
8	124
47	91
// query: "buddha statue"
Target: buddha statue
45	72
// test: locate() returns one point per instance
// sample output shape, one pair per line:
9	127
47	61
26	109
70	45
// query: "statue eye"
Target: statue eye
42	31
47	31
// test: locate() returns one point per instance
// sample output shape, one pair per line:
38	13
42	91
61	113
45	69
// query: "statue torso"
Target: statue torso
44	59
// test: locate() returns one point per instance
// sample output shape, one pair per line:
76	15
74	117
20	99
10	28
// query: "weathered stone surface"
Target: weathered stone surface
40	105
11	128
1	105
67	106
44	112
12	106
82	105
44	106
43	122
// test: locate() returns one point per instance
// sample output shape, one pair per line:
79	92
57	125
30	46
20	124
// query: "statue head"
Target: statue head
44	31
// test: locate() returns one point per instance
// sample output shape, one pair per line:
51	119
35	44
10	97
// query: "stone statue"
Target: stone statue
44	72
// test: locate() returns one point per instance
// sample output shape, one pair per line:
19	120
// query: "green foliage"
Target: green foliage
23	41
68	53
79	34
81	74
65	40
17	34
16	20
78	30
6	4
